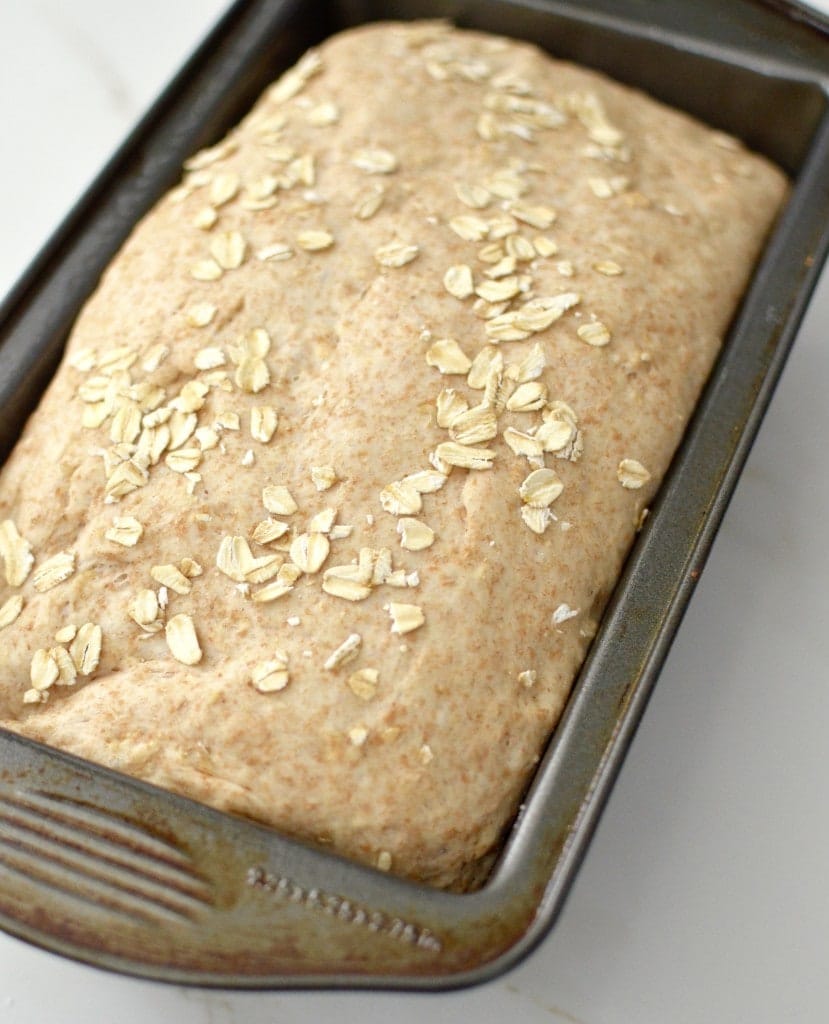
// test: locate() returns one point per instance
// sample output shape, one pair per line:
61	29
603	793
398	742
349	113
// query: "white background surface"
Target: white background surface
705	895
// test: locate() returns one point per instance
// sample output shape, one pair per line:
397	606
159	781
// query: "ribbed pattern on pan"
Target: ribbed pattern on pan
88	854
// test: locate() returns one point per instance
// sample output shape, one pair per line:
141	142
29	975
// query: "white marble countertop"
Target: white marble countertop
705	894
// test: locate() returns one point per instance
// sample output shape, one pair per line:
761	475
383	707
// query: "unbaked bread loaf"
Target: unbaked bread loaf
317	519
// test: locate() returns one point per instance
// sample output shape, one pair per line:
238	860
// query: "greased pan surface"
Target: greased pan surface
115	872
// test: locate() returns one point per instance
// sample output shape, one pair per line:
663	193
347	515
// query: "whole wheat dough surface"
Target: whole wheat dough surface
300	273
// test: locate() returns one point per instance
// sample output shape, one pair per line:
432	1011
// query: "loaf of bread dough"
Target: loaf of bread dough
318	517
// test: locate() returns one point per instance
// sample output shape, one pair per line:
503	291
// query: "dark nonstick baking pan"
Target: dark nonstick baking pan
117	873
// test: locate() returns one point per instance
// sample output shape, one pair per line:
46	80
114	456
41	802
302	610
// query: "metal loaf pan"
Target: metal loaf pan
117	873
